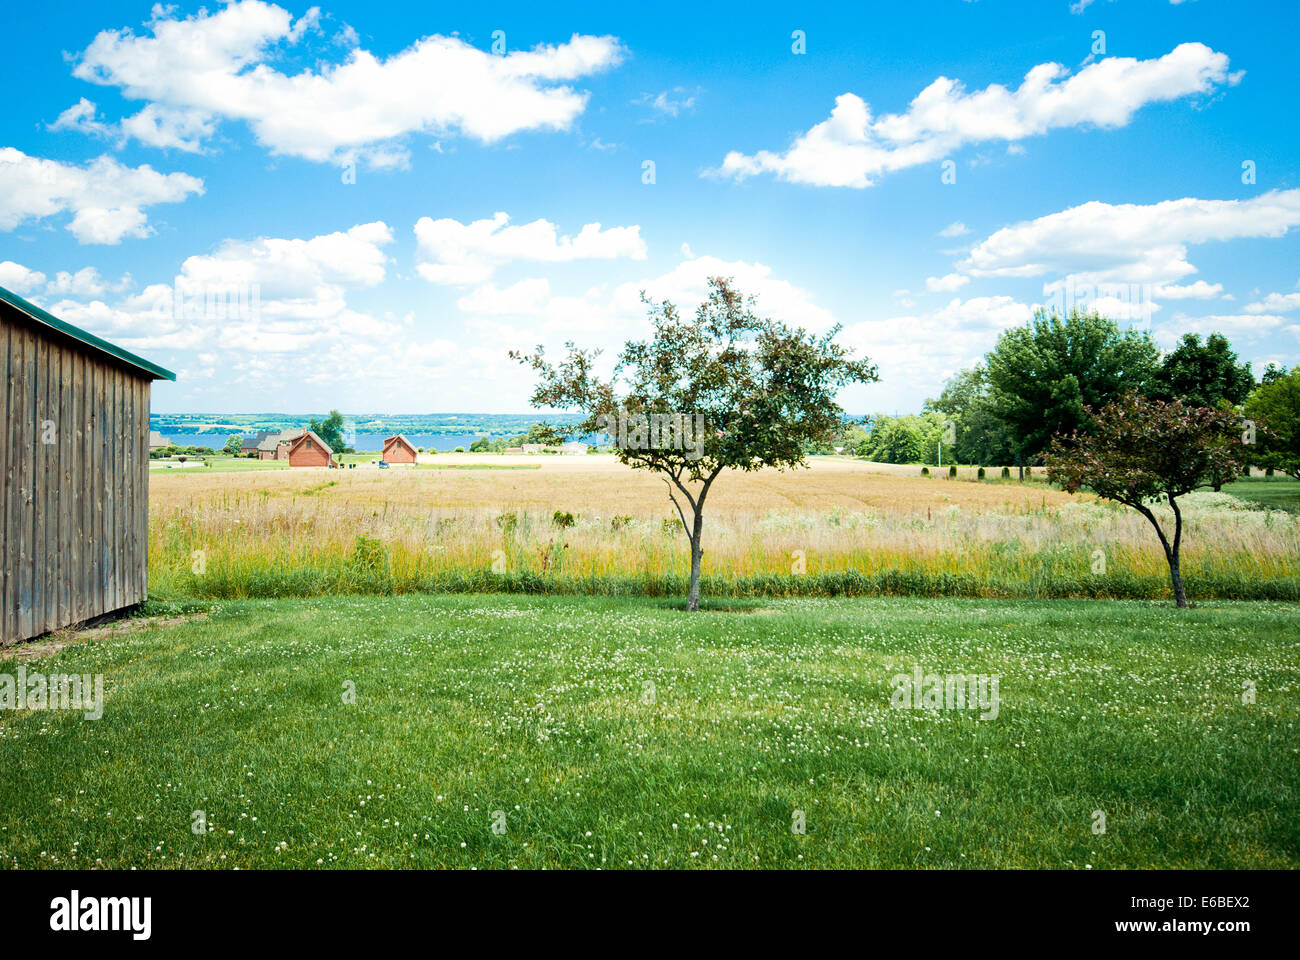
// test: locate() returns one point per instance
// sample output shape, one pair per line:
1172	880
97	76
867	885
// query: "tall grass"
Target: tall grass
304	544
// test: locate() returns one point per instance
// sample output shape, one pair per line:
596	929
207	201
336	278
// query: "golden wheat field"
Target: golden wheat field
315	530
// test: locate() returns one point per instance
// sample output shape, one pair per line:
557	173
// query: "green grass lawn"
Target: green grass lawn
1279	493
540	707
218	465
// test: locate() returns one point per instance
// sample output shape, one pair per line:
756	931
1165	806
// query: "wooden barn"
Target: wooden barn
309	450
398	449
74	466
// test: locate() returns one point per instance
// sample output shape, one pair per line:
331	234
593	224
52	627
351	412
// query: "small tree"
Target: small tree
1276	404
234	444
331	431
1139	452
733	390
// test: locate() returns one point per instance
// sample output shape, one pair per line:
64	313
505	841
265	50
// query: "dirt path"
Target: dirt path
52	643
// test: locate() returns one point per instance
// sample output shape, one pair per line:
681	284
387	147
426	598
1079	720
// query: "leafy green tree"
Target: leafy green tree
545	434
1139	452
754	392
1275	409
1272	373
906	439
1203	375
980	437
896	440
481	445
331	431
1043	377
234	444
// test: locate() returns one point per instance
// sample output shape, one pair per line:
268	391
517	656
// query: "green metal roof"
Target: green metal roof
89	339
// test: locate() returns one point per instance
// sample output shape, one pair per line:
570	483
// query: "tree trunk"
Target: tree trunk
1172	550
693	603
694	531
1175	575
1180	598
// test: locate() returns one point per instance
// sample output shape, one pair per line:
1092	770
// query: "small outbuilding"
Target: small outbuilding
309	450
157	441
397	449
74	468
574	448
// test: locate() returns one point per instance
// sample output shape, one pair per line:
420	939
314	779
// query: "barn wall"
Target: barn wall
314	456
74	510
398	453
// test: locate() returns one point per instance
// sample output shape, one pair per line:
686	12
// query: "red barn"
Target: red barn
398	450
309	450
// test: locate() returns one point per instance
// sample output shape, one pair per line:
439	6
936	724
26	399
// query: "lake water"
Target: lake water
365	442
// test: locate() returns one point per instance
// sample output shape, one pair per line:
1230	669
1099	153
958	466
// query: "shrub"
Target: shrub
1268	471
1006	473
925	471
952	473
459	450
980	474
507	522
562	519
617	523
369	556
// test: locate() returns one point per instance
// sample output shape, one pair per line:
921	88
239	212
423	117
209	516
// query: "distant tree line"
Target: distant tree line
543	433
1049	377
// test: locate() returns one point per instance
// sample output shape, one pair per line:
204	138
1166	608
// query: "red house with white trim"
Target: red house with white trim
398	449
309	450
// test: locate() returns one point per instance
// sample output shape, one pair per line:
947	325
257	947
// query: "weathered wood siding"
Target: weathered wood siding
309	453
74	472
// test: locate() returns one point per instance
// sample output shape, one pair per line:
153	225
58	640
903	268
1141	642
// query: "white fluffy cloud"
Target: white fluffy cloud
106	199
452	252
289	269
159	126
19	279
687	285
852	148
1275	303
1200	290
947	283
1099	242
917	353
86	282
530	312
1237	326
218	66
254	303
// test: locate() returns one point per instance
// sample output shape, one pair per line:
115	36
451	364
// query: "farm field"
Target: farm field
1277	494
490	523
619	733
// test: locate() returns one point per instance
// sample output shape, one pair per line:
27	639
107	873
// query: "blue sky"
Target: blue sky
380	200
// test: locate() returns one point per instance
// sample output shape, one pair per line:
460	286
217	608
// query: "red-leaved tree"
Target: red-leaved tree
1141	452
